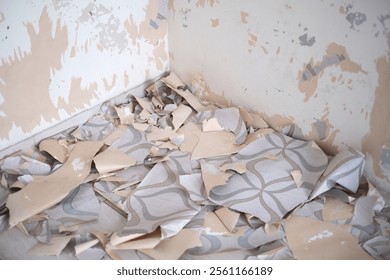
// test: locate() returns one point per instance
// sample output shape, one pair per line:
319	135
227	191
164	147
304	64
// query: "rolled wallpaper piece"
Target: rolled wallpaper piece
345	169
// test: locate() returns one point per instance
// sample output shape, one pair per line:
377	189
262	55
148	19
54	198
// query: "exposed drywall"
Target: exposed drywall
59	58
320	64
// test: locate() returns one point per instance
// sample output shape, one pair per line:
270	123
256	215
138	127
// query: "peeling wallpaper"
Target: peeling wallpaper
323	65
60	57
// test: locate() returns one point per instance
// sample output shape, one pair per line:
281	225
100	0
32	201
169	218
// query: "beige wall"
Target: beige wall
323	65
59	58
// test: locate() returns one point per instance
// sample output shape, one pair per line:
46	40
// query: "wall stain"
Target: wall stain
27	80
324	134
385	161
244	16
203	3
185	15
354	18
305	41
171	7
79	98
144	31
277	121
107	86
160	55
385	21
200	87
379	135
171	56
252	39
336	55
104	21
73	52
126	80
214	22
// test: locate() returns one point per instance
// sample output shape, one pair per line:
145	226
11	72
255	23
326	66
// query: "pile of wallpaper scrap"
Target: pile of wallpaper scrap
168	176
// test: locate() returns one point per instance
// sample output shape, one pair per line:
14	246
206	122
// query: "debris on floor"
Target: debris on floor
169	176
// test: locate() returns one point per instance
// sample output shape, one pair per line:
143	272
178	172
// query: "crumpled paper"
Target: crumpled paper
170	176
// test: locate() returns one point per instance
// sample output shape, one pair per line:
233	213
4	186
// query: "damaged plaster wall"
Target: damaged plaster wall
59	58
323	65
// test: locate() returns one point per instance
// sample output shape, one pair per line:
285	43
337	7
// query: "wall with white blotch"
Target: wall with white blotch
323	65
59	58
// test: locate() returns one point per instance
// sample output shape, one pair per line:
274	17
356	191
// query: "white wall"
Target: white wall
59	58
323	65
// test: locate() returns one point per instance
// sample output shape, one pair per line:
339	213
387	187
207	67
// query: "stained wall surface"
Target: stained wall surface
323	65
58	58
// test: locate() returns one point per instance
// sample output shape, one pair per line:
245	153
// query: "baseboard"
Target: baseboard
77	119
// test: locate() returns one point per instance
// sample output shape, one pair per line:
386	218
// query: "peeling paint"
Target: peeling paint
252	39
203	3
107	24
321	129
26	111
185	12
201	88
379	135
324	134
79	98
356	19
385	161
385	21
108	86
214	22
143	30
160	55
171	6
244	16
336	55
69	56
305	41
125	79
277	121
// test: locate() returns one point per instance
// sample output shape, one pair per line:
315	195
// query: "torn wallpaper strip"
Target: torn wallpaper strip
345	169
46	191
